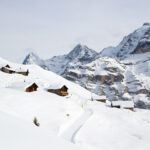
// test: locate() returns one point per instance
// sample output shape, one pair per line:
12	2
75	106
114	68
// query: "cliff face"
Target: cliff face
117	80
135	43
100	76
144	44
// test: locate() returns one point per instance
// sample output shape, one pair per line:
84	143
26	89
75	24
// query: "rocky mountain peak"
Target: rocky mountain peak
82	52
146	24
32	58
135	42
32	54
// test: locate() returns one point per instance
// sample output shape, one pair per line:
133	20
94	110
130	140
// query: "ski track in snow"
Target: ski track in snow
71	132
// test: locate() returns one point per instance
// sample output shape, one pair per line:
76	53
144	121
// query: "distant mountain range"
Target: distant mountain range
120	72
58	64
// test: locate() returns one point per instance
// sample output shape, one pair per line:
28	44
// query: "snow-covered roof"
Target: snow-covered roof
28	85
126	95
56	86
123	104
98	97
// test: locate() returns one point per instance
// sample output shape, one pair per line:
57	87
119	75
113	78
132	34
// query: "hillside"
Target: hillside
71	122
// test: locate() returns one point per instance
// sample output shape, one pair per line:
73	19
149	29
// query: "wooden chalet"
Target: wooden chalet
63	91
123	104
32	88
7	70
23	73
99	98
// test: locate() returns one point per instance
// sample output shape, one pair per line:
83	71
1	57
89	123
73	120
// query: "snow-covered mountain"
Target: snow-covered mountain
58	64
73	122
118	80
136	42
108	72
32	58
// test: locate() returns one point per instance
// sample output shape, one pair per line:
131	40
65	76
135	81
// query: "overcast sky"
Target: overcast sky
54	27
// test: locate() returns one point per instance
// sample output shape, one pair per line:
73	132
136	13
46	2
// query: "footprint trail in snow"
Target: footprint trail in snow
71	132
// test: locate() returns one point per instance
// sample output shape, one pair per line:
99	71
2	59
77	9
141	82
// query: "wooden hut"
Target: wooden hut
123	104
99	98
32	88
115	105
63	91
7	70
24	73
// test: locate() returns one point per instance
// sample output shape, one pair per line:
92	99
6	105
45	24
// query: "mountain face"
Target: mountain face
136	42
120	73
32	58
58	64
117	80
82	54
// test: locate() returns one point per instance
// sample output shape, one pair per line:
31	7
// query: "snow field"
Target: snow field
71	122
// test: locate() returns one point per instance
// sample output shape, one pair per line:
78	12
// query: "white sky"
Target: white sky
54	27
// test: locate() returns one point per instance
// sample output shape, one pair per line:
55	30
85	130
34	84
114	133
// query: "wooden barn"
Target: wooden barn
114	104
123	104
7	70
24	73
32	88
63	91
99	98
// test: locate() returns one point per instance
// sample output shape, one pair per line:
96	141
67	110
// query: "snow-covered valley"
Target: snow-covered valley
69	122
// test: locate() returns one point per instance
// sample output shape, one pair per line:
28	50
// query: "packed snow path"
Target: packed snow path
71	132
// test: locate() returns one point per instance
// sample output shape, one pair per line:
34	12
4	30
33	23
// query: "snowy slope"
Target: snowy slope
49	108
138	77
108	52
72	122
19	134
